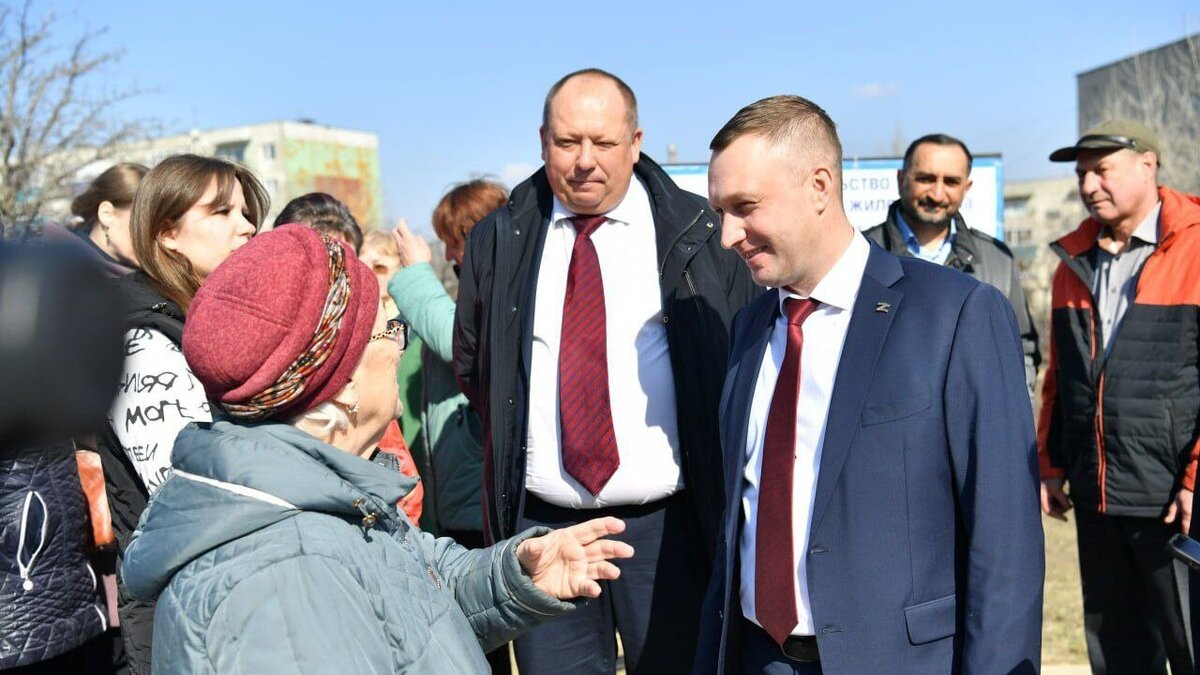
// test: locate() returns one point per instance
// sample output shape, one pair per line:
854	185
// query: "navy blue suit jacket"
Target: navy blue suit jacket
925	554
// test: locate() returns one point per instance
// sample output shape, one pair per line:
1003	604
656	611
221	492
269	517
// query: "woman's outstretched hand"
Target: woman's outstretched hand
567	562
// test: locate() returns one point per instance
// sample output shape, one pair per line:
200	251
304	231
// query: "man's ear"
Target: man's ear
545	141
1150	160
823	186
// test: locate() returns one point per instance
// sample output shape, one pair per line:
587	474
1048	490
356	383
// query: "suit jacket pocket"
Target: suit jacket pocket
894	408
932	620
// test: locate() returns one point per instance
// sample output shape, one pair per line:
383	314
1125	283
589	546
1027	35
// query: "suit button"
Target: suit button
721	614
666	318
511	403
817	549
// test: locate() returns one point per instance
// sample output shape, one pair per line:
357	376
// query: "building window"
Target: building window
268	150
1017	205
1020	237
235	151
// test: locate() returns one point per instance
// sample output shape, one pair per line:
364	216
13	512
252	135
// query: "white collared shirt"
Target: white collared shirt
824	336
640	379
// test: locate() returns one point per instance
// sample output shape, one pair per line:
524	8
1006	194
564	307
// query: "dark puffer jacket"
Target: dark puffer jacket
49	602
1120	426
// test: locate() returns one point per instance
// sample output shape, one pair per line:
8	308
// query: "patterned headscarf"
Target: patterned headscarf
291	384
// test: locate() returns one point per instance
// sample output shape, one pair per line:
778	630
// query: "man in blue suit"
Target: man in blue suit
880	468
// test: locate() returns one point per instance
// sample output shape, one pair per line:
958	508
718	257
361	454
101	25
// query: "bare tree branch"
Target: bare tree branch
53	122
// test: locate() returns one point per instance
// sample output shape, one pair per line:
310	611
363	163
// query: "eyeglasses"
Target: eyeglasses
396	331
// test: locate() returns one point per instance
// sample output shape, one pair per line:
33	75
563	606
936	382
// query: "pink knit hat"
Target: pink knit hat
258	312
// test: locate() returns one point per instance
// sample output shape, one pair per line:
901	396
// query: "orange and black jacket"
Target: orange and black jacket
1122	428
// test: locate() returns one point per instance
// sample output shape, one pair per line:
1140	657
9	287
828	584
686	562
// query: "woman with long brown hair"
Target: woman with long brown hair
189	213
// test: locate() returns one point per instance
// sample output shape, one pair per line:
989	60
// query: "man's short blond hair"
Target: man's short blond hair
790	123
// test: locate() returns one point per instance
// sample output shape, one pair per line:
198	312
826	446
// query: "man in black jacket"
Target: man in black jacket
925	222
591	334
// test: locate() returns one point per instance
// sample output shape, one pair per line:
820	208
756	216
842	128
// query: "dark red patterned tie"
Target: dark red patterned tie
774	568
589	444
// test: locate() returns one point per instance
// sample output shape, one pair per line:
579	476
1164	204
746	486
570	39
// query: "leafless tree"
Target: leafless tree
54	119
1159	88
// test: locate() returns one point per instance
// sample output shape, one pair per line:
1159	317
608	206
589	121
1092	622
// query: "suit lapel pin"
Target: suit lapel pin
883	307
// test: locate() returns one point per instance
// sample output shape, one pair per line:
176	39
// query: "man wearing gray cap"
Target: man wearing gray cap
1121	401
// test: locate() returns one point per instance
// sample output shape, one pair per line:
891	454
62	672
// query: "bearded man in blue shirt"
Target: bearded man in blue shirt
925	223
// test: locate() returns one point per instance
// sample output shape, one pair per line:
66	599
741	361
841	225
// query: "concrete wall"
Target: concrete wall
1161	89
350	173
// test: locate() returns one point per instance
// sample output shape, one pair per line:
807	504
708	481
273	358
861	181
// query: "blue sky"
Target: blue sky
454	89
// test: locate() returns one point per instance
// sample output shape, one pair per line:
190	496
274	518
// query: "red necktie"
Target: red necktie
589	443
774	568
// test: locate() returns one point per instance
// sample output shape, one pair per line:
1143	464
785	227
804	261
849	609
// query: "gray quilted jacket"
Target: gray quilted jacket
49	603
271	552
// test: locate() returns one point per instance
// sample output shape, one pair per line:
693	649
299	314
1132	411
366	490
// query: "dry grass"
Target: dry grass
1062	624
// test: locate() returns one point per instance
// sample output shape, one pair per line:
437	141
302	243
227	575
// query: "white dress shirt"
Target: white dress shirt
640	379
824	336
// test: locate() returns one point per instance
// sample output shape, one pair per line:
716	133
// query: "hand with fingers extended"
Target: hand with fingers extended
413	248
567	562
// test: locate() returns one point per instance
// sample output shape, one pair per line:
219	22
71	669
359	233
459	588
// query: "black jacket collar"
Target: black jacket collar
963	251
676	211
145	307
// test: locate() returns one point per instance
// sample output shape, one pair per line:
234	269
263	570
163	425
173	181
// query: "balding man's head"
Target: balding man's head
631	112
590	141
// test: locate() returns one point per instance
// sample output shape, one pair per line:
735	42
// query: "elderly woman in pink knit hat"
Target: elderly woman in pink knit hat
276	545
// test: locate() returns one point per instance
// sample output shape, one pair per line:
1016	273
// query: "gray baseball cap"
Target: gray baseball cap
1113	135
